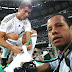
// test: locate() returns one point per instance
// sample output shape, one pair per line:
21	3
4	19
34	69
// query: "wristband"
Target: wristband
28	43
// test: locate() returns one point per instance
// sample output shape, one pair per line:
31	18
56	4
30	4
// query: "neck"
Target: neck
62	48
18	17
68	49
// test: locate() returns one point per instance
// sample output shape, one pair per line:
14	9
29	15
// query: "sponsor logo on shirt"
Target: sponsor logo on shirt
2	25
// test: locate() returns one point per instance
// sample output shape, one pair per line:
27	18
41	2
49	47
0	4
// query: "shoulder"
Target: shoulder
28	22
70	55
8	17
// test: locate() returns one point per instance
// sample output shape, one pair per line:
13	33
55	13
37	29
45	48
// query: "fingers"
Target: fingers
17	49
25	44
21	64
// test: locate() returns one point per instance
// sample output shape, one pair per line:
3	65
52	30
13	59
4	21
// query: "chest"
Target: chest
20	26
63	66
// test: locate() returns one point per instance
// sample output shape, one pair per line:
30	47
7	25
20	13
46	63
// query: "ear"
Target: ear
71	27
18	9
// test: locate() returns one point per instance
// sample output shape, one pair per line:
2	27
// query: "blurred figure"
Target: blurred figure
36	55
11	57
1	51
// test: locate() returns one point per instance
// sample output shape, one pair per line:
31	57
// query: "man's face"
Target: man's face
24	12
58	31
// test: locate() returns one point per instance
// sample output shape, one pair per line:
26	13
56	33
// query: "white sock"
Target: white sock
5	50
34	39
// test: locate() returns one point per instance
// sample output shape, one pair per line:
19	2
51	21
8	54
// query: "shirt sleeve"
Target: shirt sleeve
70	58
3	27
28	26
54	64
5	23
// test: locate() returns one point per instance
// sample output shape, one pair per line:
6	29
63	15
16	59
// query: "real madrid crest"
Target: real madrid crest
23	27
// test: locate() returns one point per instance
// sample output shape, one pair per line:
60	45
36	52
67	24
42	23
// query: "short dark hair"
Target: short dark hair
24	4
66	19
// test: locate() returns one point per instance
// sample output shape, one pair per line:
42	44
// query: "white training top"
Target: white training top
10	24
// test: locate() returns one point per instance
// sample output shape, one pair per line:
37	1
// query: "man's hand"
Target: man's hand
16	49
28	46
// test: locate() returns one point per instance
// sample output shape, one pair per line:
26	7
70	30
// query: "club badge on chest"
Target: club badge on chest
23	27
